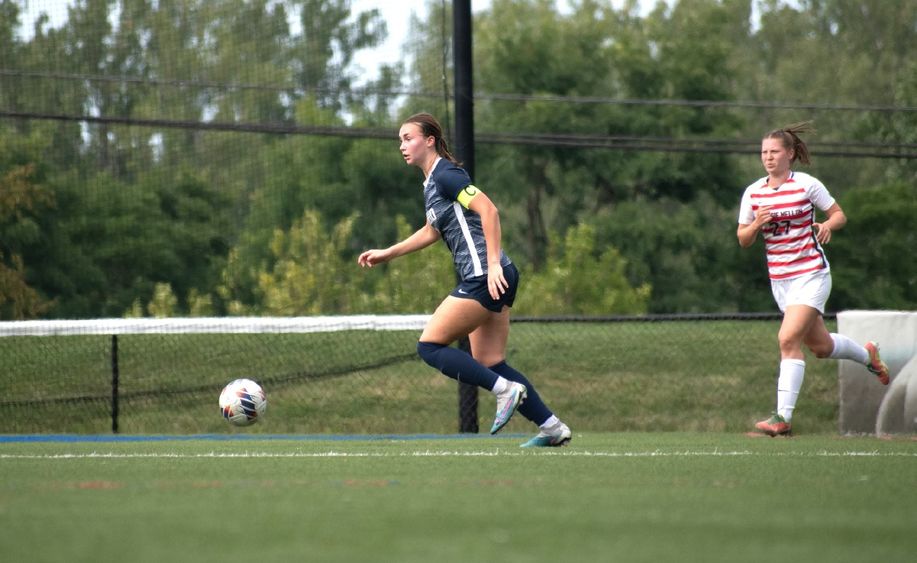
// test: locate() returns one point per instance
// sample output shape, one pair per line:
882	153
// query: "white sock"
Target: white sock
847	349
788	385
500	386
550	422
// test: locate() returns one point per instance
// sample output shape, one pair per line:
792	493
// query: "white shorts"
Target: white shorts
811	289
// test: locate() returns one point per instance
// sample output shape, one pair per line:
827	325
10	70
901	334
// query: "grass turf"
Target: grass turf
612	496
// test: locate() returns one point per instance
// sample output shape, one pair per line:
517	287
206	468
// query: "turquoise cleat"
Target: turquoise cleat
507	403
557	437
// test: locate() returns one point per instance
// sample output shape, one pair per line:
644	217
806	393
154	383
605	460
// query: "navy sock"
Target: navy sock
456	364
533	408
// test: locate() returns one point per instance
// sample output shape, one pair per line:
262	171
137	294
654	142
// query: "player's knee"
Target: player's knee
788	342
489	359
429	351
822	350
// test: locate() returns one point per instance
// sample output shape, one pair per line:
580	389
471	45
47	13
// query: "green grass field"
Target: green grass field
608	497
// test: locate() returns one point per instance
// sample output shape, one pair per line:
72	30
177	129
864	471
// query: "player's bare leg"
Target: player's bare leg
801	323
826	345
454	318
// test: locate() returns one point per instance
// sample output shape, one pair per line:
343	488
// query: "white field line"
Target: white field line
447	453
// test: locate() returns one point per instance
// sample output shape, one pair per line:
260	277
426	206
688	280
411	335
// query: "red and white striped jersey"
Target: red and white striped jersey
789	238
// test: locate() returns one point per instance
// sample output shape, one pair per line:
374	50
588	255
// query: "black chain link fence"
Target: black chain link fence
655	373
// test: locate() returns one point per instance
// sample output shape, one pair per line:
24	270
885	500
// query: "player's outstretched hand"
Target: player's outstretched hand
370	258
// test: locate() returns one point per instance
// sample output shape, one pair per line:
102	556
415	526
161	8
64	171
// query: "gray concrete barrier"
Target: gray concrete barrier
866	406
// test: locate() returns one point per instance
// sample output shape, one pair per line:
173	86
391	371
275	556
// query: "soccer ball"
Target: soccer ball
242	402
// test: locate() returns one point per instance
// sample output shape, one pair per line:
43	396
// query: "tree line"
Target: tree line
103	213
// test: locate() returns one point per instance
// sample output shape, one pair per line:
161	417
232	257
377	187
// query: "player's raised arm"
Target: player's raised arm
422	238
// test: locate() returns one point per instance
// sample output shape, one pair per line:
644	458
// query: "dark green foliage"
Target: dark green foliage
116	209
872	257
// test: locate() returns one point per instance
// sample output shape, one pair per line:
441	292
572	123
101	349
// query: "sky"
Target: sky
397	14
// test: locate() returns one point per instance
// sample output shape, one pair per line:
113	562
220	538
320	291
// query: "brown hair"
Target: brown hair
430	127
789	137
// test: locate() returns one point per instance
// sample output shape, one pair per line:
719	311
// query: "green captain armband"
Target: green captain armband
467	194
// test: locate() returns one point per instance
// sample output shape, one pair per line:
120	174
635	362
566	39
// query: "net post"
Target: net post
114	383
468	399
464	150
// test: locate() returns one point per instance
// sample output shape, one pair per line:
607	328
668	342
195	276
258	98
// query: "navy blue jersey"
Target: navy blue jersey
460	228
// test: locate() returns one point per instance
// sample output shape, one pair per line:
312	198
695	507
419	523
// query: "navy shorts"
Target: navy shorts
476	289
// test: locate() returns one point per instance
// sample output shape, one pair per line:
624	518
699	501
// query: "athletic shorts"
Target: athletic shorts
476	288
811	289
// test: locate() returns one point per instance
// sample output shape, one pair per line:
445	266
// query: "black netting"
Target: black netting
674	373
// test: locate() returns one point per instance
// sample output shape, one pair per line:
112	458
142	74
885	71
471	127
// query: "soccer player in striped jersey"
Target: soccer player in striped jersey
479	306
781	207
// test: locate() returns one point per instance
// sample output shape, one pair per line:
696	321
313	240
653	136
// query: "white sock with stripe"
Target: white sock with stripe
789	383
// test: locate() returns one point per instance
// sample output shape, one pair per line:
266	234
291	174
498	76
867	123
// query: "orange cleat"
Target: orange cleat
776	425
876	366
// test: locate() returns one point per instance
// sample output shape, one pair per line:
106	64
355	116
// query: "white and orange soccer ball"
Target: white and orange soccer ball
242	402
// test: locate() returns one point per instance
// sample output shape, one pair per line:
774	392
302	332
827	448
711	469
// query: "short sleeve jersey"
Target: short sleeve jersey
789	239
460	228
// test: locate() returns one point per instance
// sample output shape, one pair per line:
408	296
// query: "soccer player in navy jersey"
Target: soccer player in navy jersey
781	206
468	222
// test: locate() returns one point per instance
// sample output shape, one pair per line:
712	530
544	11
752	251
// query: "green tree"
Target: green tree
163	303
569	58
131	207
310	273
872	264
414	283
324	52
688	253
289	175
871	45
23	199
598	51
106	243
18	301
581	278
10	52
